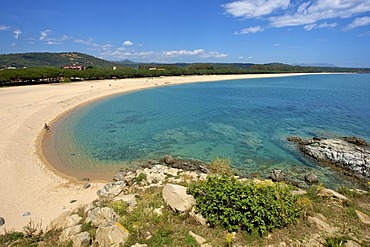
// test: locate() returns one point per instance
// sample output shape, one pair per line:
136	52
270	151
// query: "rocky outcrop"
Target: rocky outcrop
349	153
111	234
176	197
277	175
311	178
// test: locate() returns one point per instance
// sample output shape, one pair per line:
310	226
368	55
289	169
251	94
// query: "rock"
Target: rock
190	166
60	221
111	234
198	217
81	239
67	233
331	193
86	186
177	198
294	139
363	217
111	190
2	221
168	159
356	140
72	201
321	225
120	176
200	240
311	178
72	220
351	243
129	199
298	192
277	175
86	179
98	216
26	214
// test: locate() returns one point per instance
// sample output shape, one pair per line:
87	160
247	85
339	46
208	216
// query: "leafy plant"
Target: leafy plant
141	177
335	241
221	166
234	205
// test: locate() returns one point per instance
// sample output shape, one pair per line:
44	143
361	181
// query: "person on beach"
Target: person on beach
47	127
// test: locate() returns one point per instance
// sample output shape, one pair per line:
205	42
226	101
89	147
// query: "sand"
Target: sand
30	189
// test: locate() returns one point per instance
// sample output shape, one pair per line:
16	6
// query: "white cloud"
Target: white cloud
276	44
53	43
255	8
240	57
17	33
358	22
248	30
311	12
183	52
127	43
44	34
250	57
4	27
214	54
322	25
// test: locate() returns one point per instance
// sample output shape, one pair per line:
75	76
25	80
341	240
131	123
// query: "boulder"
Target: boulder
321	225
129	199
198	217
331	193
86	186
311	178
277	175
294	139
200	240
168	159
111	190
176	197
111	234
355	140
69	232
72	220
139	245
2	221
363	217
120	176
81	239
99	216
298	192
60	221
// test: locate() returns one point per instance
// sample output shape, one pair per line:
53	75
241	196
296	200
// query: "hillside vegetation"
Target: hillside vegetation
36	68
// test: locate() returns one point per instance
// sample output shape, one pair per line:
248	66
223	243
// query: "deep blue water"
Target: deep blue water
247	121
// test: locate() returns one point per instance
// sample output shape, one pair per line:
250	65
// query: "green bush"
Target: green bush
235	205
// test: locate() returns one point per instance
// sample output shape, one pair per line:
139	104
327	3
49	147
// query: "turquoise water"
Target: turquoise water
245	120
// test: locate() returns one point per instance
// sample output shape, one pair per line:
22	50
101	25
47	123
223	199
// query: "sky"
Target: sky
175	31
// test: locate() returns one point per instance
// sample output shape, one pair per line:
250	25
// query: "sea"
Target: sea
246	121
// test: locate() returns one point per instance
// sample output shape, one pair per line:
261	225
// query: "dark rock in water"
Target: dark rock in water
316	138
87	185
72	201
356	140
168	159
190	166
277	175
86	179
2	221
26	214
120	176
294	139
311	178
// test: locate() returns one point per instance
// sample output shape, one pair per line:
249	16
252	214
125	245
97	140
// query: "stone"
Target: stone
355	140
139	245
311	178
130	199
331	193
277	175
69	232
120	176
98	216
111	234
111	190
198	217
26	214
351	243
2	221
363	217
81	239
72	201
321	225
72	220
200	240
298	192
86	179
168	159
86	186
176	197
60	221
294	139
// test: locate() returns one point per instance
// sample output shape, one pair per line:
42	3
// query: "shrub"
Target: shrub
221	166
234	205
141	177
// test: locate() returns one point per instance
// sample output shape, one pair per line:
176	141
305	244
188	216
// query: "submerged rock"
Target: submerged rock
277	175
168	159
311	178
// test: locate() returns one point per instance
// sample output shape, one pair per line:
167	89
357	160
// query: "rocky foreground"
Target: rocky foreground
348	153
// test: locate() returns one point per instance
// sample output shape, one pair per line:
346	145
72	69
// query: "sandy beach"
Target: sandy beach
29	187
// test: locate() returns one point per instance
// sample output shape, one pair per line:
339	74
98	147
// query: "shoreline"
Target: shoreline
31	188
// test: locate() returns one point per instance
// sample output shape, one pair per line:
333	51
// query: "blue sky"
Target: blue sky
255	31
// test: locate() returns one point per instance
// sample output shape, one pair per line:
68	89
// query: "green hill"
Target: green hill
43	59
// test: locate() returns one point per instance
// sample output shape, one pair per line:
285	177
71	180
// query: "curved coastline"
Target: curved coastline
30	183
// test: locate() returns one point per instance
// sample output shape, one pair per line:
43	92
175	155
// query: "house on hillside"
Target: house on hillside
75	67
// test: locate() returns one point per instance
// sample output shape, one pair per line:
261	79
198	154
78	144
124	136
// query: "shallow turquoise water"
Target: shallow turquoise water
245	120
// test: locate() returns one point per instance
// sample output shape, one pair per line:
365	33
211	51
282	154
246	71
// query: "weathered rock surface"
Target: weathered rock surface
176	197
363	217
69	232
349	153
277	175
168	159
98	216
111	190
198	217
321	224
111	234
331	193
311	178
200	240
81	239
2	221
